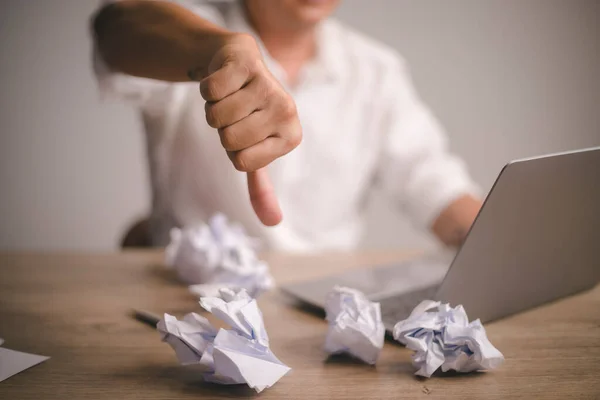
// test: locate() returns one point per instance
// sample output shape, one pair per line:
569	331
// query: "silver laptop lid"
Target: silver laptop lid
535	239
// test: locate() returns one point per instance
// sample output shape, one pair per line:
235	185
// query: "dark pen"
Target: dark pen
146	317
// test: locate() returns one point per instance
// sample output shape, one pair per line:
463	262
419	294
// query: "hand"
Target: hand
454	222
256	119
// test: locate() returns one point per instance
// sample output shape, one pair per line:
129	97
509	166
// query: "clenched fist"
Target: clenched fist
255	117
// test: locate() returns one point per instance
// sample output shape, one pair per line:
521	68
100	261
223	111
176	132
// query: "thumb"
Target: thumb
262	197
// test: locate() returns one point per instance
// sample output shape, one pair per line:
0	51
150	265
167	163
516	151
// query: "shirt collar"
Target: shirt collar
327	63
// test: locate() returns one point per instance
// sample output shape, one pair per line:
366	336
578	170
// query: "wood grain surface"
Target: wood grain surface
75	309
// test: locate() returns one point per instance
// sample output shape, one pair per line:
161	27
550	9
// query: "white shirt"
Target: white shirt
363	125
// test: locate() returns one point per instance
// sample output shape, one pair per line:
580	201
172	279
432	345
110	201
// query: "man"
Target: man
272	73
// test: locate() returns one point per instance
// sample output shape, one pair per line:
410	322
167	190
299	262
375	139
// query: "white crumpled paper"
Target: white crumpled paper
210	257
443	337
233	356
355	325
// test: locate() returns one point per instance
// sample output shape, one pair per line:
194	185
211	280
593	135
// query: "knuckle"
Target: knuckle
244	69
212	116
243	45
236	66
242	64
295	138
210	89
241	162
272	89
288	108
263	91
257	66
230	139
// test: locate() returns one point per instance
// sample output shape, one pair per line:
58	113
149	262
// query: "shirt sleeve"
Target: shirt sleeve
140	92
416	169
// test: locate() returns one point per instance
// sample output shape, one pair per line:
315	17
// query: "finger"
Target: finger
263	198
225	81
245	133
260	155
238	105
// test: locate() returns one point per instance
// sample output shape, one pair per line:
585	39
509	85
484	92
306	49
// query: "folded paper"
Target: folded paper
355	325
13	362
217	255
442	337
229	356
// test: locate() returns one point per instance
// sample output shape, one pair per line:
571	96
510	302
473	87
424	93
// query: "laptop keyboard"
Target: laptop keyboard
397	308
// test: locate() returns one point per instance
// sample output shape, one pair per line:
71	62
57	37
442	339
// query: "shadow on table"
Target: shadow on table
300	305
454	375
183	380
345	359
382	367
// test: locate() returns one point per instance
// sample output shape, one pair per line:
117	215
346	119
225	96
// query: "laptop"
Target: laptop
534	240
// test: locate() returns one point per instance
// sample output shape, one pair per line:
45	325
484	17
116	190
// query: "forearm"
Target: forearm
155	39
454	222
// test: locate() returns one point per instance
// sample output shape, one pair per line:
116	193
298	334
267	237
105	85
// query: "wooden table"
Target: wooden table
74	308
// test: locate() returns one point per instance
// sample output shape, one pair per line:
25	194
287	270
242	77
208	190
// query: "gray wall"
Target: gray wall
508	78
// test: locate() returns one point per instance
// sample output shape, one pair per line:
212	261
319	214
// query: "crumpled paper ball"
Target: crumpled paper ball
210	257
442	337
240	355
355	325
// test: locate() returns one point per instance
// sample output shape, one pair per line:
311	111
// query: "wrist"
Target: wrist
211	46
